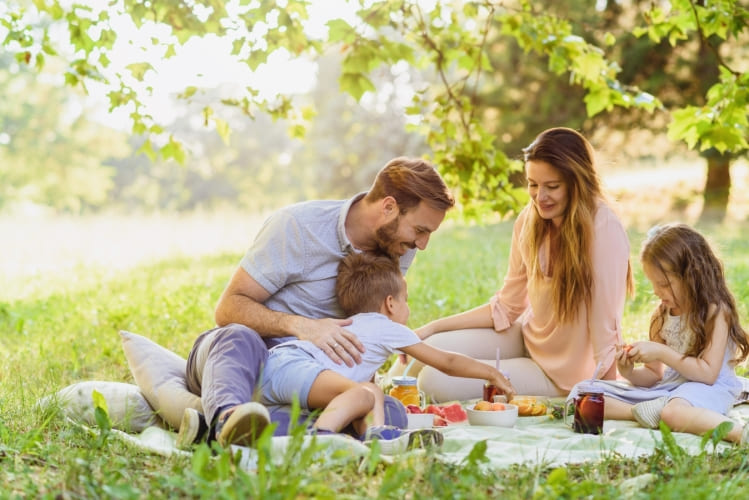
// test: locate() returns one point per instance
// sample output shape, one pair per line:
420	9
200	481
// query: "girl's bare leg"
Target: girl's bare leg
681	416
614	409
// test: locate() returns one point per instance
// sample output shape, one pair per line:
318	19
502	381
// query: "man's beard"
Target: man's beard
386	239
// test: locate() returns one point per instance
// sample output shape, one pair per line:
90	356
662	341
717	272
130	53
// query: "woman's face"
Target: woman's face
548	190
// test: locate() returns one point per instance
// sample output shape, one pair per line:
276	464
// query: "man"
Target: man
284	287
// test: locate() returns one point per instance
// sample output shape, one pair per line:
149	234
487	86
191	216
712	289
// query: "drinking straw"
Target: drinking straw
598	369
408	367
497	358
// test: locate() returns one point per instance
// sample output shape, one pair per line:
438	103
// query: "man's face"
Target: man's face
409	230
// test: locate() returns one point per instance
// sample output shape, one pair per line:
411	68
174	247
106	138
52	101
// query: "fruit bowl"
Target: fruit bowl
497	418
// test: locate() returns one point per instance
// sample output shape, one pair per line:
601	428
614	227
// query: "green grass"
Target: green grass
55	332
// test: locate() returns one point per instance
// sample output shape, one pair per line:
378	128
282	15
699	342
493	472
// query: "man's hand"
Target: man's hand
330	335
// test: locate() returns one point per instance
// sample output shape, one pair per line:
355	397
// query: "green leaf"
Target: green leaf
356	84
224	130
138	70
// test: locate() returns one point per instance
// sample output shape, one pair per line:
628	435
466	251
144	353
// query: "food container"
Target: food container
420	420
498	418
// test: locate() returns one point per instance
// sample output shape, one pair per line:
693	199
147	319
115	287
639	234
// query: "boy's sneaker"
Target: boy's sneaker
648	413
192	429
242	425
394	441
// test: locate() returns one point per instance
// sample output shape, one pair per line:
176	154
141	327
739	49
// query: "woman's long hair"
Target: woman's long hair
572	278
680	251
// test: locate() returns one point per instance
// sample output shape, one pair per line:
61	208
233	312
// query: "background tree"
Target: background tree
455	42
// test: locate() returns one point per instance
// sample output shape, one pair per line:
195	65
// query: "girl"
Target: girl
559	311
685	372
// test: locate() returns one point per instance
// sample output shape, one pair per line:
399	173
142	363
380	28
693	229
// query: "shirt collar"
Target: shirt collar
346	246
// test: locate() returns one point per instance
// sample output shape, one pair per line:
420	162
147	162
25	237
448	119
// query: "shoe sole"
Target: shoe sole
244	425
188	429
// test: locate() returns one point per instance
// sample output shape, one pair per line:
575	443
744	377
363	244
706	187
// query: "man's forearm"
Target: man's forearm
266	322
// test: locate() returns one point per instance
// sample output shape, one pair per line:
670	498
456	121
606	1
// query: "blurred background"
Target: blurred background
79	170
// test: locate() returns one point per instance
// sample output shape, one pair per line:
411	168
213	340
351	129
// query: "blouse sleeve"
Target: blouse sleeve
610	264
512	299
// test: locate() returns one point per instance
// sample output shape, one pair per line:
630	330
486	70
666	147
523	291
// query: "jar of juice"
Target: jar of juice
405	390
586	410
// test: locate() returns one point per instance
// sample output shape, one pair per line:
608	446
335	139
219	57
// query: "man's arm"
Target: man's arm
242	302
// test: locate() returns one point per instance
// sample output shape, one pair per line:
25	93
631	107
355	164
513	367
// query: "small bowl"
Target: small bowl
498	418
420	420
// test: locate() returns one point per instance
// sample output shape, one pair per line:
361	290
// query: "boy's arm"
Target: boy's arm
458	365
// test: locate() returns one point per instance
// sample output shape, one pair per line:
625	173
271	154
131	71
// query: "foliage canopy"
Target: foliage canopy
457	42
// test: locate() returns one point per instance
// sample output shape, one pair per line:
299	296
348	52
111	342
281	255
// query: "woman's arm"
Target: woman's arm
458	365
504	308
610	261
479	317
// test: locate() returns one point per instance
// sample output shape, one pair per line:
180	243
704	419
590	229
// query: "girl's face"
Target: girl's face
667	287
547	190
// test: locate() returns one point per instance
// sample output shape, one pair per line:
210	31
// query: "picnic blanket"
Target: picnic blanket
144	413
533	441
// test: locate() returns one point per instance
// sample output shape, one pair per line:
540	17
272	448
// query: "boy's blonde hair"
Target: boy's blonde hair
365	280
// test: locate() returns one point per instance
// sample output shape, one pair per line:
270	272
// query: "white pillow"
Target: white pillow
128	409
160	374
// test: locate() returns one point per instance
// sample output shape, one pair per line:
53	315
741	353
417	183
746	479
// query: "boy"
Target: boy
371	291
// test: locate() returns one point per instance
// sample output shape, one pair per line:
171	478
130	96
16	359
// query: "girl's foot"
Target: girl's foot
648	413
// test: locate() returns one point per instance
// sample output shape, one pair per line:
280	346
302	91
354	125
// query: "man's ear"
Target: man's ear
389	206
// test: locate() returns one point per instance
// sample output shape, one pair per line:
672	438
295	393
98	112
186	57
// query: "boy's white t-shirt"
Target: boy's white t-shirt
381	338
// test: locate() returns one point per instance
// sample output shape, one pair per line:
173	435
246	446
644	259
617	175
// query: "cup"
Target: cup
584	413
405	390
490	391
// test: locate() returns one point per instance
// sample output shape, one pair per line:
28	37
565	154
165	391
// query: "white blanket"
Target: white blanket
532	441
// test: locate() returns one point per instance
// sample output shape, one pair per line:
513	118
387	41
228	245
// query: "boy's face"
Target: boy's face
400	310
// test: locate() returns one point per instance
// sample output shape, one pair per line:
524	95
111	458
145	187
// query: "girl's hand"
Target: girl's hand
624	362
645	352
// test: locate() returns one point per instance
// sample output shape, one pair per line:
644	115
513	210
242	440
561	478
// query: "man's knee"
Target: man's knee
239	337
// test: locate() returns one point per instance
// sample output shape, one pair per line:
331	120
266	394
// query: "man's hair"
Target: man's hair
411	181
365	280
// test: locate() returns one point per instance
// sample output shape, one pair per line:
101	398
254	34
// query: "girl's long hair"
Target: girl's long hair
678	250
572	278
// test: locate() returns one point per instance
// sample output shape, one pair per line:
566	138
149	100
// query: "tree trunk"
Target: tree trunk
717	187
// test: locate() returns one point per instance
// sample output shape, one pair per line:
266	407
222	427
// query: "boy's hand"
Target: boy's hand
504	384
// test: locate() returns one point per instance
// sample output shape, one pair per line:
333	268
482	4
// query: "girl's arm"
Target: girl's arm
704	368
458	365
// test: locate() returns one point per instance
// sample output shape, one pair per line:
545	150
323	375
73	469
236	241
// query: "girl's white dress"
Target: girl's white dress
719	397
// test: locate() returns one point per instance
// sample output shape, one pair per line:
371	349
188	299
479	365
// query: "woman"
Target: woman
559	311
